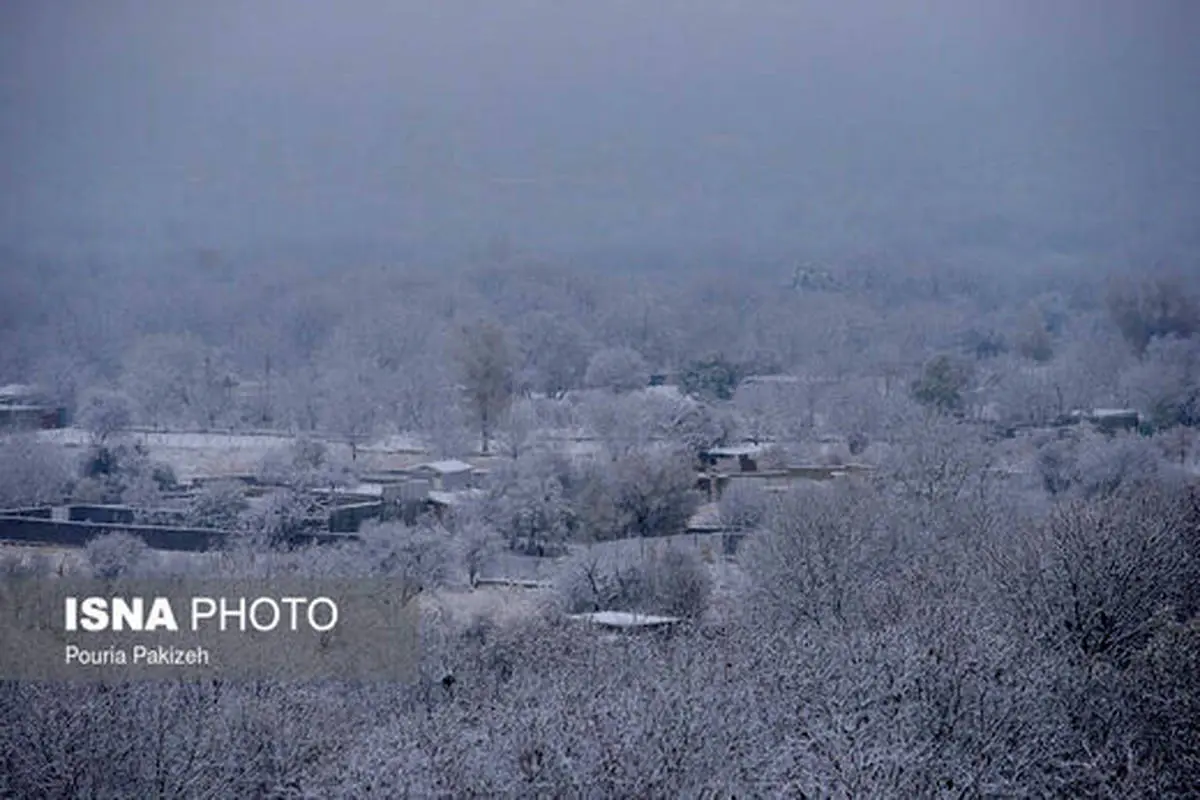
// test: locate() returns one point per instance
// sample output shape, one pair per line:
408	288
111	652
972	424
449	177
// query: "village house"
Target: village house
26	407
447	476
735	458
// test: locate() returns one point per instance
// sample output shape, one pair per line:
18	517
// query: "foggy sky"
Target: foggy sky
570	125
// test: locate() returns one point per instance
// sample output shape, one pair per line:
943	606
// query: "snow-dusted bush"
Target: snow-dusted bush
32	471
420	556
475	543
22	566
303	464
277	519
650	580
645	493
1090	464
743	505
1056	465
116	555
218	505
1105	465
1165	382
122	472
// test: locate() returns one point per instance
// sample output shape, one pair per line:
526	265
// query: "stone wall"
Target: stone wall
35	530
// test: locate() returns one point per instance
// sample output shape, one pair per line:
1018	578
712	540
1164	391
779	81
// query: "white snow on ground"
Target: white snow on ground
501	604
583	449
194	455
67	437
206	455
396	443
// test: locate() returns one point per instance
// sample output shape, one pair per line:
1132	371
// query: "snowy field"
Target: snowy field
206	455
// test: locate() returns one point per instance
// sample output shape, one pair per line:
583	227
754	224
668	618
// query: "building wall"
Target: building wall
348	518
32	417
456	481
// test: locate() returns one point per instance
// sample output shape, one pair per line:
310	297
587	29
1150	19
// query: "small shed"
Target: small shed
1111	420
447	476
349	518
27	407
737	458
29	417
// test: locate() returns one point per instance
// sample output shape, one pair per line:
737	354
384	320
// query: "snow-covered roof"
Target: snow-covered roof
455	498
364	489
707	517
18	390
735	450
666	390
625	619
808	379
447	467
751	380
1113	412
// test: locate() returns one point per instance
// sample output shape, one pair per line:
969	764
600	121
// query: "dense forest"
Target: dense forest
366	351
1005	606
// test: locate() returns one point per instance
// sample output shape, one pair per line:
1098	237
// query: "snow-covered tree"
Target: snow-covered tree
104	413
34	472
1165	383
486	369
528	505
177	379
555	351
618	369
645	493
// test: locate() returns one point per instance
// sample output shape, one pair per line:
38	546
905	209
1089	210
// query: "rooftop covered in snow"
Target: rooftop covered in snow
734	451
626	620
448	467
